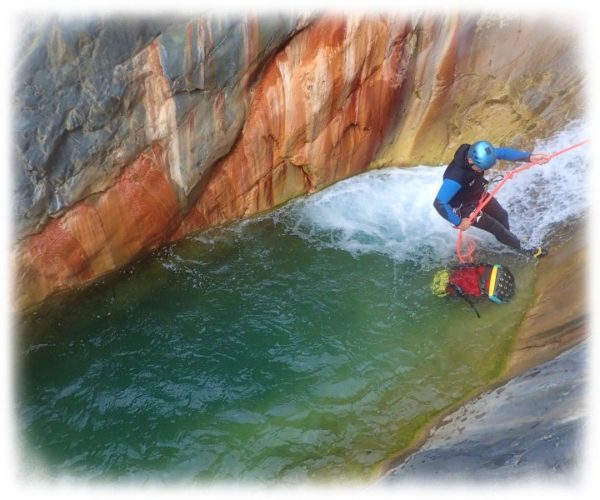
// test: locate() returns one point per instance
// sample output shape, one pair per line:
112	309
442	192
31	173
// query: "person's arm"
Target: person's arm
442	201
511	154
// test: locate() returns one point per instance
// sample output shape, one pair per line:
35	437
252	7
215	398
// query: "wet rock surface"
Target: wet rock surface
206	120
532	427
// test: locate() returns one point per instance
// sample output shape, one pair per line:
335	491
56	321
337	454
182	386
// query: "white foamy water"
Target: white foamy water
540	198
390	211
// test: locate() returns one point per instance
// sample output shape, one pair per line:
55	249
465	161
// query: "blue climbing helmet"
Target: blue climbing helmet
483	154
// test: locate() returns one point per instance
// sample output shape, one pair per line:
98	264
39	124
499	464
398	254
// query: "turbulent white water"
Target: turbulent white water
543	196
390	211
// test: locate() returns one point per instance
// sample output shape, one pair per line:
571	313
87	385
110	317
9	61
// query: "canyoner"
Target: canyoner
487	198
464	188
463	199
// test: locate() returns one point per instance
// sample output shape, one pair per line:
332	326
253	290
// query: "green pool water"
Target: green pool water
248	353
303	345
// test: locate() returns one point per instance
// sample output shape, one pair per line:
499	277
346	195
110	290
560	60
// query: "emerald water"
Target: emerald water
300	345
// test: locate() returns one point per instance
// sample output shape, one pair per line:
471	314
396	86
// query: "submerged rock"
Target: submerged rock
530	428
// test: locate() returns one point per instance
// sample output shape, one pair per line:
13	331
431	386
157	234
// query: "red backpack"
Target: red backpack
495	282
469	280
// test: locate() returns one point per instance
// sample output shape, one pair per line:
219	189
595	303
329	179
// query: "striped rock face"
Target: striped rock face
320	112
117	124
131	134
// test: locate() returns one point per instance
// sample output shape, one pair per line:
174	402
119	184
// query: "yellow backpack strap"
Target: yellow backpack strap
492	285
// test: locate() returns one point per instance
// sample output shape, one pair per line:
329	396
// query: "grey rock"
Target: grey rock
66	106
79	109
532	427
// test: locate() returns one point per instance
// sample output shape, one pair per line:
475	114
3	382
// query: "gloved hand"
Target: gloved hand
464	224
539	158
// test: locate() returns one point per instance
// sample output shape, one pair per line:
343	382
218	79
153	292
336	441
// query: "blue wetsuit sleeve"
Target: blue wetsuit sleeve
512	154
442	200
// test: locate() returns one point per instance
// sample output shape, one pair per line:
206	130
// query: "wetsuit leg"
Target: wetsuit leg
500	231
495	210
497	226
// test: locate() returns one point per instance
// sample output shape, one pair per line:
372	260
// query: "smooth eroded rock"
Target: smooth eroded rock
240	114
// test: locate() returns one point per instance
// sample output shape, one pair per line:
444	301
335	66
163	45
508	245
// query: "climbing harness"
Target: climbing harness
497	178
487	197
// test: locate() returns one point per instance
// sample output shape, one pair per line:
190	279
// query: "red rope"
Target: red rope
487	197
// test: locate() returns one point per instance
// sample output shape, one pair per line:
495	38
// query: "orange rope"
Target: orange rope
487	197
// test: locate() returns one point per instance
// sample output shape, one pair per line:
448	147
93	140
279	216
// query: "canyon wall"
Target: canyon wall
132	133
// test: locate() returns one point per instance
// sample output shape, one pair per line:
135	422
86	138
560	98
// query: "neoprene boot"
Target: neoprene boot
536	252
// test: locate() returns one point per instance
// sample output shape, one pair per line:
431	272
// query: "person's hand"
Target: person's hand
539	158
464	224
